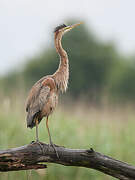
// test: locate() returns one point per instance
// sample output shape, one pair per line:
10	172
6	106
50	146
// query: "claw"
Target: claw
40	146
32	142
53	145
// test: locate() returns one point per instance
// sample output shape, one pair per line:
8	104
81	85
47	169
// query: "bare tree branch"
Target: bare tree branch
32	156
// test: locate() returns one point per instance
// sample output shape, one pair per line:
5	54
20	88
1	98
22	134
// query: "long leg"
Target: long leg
37	139
51	143
50	139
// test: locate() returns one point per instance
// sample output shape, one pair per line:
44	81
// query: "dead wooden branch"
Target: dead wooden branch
32	156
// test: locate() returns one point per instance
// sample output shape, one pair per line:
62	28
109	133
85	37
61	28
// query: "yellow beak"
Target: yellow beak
72	26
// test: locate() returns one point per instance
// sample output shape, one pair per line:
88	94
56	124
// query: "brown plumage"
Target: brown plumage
43	96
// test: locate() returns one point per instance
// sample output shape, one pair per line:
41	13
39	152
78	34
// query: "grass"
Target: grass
108	130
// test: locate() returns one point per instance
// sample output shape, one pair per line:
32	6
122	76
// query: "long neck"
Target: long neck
61	76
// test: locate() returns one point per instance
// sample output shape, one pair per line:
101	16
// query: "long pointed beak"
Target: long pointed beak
72	26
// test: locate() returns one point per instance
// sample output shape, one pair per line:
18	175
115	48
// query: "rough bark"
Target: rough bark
34	155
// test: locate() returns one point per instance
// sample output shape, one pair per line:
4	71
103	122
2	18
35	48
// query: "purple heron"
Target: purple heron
43	96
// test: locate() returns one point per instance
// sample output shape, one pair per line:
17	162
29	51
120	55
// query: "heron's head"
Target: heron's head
63	28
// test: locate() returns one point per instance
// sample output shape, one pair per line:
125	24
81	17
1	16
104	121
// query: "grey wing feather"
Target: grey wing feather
43	96
34	92
37	99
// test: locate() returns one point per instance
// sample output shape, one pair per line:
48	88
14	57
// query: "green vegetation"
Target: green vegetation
107	130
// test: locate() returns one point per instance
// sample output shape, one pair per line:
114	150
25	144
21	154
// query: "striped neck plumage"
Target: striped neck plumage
61	76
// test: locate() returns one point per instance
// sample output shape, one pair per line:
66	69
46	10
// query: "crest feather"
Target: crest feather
59	27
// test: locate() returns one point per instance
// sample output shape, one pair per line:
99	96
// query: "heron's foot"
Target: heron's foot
41	146
54	147
32	142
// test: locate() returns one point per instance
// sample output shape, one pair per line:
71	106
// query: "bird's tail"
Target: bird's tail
30	120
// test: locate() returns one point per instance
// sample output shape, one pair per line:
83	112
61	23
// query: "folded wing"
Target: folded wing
37	99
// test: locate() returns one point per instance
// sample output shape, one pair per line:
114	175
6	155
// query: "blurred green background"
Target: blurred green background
97	111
